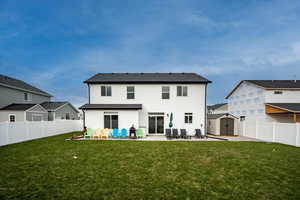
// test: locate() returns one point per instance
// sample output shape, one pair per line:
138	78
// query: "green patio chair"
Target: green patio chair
89	133
139	133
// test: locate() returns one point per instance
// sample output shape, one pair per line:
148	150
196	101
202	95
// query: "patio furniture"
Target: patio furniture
175	133
105	133
115	133
123	133
97	133
198	133
132	131
168	133
89	133
139	133
183	134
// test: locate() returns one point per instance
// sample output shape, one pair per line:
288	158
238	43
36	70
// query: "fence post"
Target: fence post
7	130
27	130
297	134
244	128
273	131
256	129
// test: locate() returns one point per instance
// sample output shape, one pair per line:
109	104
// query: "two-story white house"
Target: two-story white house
146	100
270	100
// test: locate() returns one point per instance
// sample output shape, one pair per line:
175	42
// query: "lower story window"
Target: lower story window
111	121
188	118
12	118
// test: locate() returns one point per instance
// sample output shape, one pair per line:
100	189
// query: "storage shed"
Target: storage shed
223	124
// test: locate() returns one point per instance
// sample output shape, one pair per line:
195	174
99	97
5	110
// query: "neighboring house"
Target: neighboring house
60	110
17	91
23	112
217	108
223	124
271	100
146	100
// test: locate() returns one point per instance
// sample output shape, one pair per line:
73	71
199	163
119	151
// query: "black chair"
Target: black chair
132	131
168	133
198	133
183	133
175	133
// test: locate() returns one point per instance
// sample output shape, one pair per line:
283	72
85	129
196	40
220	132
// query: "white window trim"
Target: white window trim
29	96
11	115
106	86
110	114
187	90
162	92
188	115
130	92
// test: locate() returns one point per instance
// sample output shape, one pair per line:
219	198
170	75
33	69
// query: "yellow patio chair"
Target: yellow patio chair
97	133
105	133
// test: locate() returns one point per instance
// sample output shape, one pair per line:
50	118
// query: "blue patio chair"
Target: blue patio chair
123	133
115	132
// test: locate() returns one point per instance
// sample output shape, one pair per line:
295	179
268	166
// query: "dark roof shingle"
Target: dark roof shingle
277	84
111	106
147	78
216	116
12	82
292	107
19	107
216	106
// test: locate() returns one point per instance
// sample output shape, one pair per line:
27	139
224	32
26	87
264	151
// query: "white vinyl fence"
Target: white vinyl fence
21	131
286	133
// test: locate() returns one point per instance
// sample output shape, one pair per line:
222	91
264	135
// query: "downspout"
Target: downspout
205	121
89	96
83	118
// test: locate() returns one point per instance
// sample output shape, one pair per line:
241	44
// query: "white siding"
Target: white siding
287	96
149	95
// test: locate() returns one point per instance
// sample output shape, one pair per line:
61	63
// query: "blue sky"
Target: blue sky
56	45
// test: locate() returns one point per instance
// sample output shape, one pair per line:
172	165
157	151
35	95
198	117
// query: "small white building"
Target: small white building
146	100
270	100
223	124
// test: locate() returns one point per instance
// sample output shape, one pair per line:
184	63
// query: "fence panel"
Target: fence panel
22	131
265	131
286	133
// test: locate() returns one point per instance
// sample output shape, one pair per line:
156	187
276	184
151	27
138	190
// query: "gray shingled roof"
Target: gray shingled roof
277	84
15	83
111	106
216	116
147	78
19	107
53	105
216	106
292	107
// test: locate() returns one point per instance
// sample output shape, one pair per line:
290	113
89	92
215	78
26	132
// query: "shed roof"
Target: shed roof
216	116
291	107
18	107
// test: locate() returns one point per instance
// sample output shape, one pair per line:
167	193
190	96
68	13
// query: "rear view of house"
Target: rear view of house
146	100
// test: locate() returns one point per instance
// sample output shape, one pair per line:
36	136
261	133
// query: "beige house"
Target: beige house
223	124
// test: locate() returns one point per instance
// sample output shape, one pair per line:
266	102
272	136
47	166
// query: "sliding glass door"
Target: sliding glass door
156	124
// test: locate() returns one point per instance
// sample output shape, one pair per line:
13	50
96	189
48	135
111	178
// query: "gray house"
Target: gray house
20	101
17	91
60	110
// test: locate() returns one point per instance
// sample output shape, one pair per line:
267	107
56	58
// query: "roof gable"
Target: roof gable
147	78
21	85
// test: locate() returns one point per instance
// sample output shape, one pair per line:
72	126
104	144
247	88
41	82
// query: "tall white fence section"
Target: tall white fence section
286	133
21	131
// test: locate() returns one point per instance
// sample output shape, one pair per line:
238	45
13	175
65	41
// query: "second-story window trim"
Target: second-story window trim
27	96
130	92
165	92
105	90
182	91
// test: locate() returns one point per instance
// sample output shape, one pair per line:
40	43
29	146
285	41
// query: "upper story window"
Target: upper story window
165	92
130	92
278	92
12	118
105	90
27	96
188	118
182	91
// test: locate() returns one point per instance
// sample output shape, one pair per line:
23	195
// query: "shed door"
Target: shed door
227	126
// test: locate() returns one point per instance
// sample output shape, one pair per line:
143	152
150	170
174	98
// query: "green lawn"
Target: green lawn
48	169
